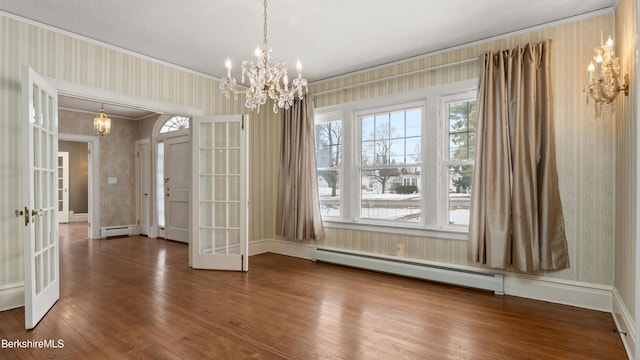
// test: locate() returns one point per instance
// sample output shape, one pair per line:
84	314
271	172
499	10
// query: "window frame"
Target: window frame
175	123
434	145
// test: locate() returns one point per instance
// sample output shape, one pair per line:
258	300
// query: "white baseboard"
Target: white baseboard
258	247
290	248
560	291
80	217
567	292
11	296
624	323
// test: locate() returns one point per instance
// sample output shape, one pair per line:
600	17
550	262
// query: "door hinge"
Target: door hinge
138	221
243	121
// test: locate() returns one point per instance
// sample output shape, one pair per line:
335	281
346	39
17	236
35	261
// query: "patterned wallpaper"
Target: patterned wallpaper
627	158
117	159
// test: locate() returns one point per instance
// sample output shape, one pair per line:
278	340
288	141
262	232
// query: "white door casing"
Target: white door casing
40	159
143	186
219	236
177	172
63	186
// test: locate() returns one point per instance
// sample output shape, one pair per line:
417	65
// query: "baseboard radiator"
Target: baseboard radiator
119	230
406	267
79	217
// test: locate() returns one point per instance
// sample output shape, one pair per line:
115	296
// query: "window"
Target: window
329	159
402	166
458	161
175	123
390	152
160	184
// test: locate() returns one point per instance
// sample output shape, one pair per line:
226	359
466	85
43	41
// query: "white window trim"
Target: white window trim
432	98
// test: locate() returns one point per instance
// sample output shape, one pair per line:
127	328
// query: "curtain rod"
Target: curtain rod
396	76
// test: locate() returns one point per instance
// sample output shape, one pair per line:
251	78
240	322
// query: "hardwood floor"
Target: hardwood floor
137	297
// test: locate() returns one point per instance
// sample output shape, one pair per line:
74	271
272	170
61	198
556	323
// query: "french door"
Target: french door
219	237
40	178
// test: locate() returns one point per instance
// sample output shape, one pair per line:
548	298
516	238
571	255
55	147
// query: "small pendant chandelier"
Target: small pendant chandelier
102	123
265	79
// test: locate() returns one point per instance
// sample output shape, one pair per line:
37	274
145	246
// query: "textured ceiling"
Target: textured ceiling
330	37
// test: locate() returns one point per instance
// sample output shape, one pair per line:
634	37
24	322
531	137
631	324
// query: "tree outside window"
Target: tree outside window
329	160
461	154
390	153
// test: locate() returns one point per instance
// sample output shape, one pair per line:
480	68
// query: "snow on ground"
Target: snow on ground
329	207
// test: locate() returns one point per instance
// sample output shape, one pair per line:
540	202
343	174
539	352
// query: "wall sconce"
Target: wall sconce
102	123
604	79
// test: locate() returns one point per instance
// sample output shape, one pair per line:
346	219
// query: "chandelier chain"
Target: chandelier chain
265	24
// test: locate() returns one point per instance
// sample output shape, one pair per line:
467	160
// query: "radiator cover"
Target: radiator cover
119	230
406	267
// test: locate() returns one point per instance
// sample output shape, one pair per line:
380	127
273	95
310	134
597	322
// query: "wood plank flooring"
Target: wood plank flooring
135	297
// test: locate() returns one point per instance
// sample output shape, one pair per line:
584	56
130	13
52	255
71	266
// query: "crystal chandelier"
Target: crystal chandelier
604	79
102	123
265	79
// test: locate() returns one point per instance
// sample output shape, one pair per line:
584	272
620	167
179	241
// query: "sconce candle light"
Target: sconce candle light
604	79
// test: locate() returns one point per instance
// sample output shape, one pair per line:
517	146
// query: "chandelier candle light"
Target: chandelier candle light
604	79
265	79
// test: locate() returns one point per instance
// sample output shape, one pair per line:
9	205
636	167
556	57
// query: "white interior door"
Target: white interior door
63	186
177	171
143	186
220	193
40	178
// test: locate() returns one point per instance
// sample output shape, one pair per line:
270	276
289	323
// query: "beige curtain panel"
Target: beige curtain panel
298	209
516	213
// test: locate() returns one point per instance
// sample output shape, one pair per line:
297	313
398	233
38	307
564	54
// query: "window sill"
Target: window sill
439	233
